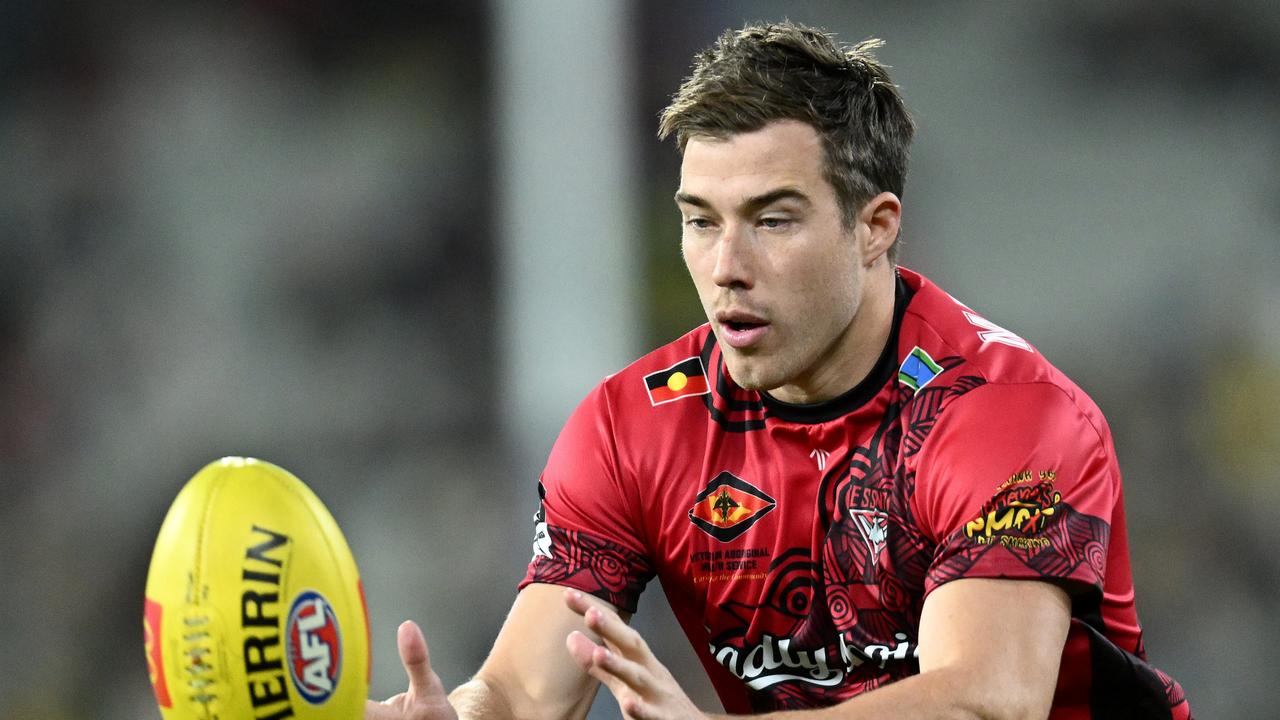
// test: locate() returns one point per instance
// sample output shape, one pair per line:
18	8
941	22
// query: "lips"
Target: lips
740	329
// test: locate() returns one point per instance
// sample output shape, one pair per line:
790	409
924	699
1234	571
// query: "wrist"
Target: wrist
477	699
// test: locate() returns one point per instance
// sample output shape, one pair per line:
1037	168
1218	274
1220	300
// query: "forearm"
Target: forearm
943	693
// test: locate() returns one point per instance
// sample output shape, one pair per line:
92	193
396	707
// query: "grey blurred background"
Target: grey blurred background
390	245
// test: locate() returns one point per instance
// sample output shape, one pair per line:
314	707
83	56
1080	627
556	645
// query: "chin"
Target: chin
750	376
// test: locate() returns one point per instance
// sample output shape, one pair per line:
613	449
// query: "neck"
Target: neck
854	354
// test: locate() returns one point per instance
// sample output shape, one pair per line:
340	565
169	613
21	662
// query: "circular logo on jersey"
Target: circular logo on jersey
313	646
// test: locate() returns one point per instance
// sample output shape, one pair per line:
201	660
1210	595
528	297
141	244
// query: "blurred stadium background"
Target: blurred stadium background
390	245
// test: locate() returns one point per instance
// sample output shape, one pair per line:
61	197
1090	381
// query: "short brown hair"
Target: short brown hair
787	71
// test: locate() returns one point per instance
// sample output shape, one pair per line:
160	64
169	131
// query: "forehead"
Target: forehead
781	153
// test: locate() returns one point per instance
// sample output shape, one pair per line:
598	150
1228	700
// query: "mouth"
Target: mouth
741	330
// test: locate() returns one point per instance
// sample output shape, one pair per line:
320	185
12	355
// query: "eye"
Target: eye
698	223
775	223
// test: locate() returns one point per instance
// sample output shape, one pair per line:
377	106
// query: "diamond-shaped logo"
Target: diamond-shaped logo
728	506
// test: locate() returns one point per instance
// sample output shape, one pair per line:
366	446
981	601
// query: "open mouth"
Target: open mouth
742	331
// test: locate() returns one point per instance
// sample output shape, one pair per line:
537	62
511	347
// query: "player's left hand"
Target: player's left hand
644	688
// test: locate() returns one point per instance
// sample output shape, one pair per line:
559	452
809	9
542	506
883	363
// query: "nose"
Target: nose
733	266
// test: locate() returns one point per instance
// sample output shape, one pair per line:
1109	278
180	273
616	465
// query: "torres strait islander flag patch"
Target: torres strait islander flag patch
684	379
728	506
918	370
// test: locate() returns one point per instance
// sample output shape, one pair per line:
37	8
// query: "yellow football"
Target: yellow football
254	607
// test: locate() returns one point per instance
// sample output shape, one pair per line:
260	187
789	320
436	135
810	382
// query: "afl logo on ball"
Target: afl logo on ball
314	647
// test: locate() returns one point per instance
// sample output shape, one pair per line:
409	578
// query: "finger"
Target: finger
609	626
577	601
634	674
581	649
582	603
591	658
600	662
414	657
636	708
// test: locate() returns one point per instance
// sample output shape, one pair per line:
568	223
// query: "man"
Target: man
863	499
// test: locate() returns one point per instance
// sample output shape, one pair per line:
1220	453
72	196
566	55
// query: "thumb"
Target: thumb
414	657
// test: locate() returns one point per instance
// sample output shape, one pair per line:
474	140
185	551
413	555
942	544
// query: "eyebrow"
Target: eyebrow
752	203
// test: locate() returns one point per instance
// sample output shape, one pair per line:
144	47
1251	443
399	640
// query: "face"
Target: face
779	275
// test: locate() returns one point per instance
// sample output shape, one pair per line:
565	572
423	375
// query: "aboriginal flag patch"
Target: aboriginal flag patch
728	506
684	379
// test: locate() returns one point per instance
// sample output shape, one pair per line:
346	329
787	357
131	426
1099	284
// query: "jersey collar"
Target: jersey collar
885	369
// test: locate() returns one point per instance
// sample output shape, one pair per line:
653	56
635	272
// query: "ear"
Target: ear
881	215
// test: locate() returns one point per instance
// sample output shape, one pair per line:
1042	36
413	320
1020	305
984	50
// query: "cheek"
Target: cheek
827	294
689	256
695	262
827	280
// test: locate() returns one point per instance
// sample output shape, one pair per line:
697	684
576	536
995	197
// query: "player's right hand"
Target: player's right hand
425	699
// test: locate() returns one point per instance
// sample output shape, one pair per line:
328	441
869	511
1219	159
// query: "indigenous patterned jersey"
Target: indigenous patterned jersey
797	544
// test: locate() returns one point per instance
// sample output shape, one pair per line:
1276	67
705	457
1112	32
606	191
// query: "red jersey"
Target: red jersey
797	544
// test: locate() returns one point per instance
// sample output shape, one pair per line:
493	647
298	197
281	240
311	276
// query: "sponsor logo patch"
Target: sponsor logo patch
686	378
873	526
779	660
152	622
728	506
314	647
1018	512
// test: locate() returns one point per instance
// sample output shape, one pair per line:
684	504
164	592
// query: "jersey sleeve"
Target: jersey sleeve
586	533
1017	481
